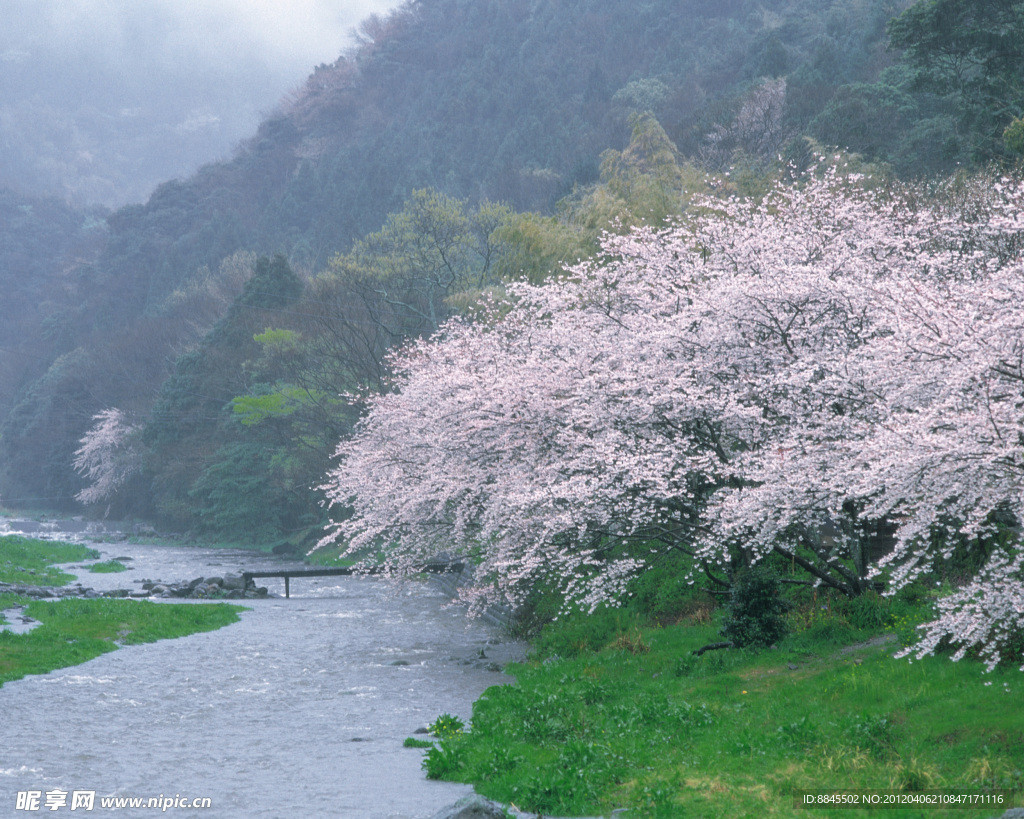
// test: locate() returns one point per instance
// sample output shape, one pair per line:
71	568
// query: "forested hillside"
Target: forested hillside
462	144
101	101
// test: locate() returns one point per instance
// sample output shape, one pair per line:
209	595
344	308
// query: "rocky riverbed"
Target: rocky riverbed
226	587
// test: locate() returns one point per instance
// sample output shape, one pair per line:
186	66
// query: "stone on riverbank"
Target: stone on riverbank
200	588
472	807
233	582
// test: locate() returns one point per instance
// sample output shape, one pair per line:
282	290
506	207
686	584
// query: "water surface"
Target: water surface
300	709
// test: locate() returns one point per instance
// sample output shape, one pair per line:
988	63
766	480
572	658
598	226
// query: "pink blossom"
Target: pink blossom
728	383
108	455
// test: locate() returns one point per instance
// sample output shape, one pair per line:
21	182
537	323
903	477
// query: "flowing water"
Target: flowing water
298	710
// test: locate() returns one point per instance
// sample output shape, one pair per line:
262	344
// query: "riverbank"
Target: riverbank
72	631
615	712
80	624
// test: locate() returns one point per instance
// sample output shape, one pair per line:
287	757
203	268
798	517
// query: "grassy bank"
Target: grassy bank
108	567
74	630
30	561
616	711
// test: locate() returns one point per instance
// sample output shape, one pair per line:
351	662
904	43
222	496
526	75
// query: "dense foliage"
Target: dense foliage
37	238
756	608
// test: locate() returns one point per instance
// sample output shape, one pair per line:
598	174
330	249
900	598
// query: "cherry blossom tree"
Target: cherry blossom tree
914	416
732	386
108	455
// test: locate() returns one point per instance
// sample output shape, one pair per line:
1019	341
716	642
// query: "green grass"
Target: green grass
629	717
330	557
6	602
108	567
26	560
75	630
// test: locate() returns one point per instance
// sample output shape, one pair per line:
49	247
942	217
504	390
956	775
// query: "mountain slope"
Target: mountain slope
502	100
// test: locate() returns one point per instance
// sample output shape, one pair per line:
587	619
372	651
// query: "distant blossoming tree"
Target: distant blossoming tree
108	455
728	386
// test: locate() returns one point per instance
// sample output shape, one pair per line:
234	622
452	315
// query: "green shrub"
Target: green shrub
1013	136
754	615
446	760
869	612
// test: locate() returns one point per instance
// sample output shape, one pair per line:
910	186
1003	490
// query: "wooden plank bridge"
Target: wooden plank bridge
440	567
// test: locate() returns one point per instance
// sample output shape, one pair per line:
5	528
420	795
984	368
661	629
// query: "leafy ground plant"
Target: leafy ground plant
446	726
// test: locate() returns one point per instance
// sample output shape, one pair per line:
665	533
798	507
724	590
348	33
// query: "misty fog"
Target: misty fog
101	100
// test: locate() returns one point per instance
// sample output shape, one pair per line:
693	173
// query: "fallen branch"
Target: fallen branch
711	647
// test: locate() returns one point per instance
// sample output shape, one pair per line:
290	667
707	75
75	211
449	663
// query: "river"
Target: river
300	709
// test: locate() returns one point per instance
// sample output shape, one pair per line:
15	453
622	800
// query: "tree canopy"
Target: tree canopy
972	53
740	384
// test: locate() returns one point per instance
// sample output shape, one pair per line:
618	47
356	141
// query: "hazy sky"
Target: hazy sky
102	99
296	32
